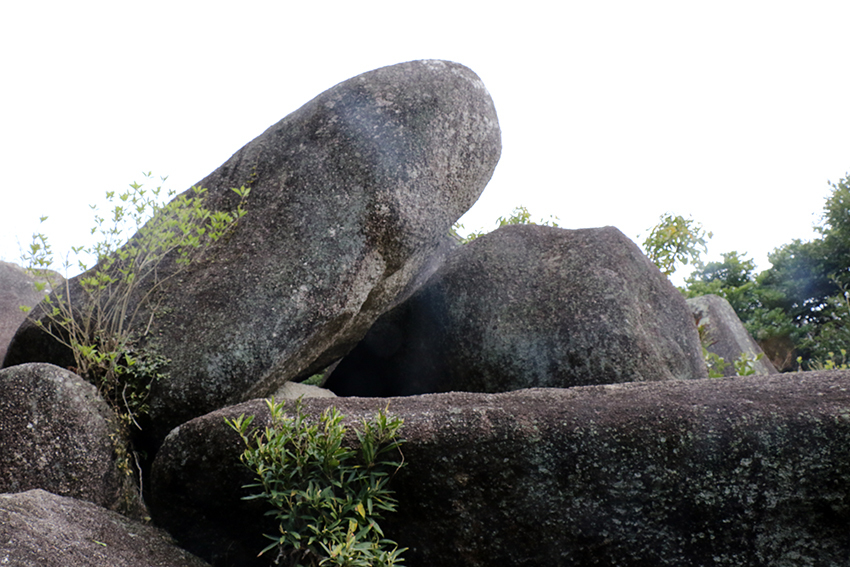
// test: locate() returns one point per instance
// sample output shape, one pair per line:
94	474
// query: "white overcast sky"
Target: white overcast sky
612	113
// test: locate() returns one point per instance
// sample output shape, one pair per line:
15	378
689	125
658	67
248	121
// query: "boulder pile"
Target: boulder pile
552	385
351	195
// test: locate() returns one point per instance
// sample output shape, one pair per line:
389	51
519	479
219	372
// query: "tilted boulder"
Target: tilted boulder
529	306
350	197
725	335
39	529
728	471
58	434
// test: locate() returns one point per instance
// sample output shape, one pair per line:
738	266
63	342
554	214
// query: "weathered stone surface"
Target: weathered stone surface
725	335
295	390
529	306
350	197
729	471
39	529
58	434
17	288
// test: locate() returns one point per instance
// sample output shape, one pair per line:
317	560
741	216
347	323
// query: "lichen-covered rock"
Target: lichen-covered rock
730	471
39	529
58	434
725	335
350	197
529	306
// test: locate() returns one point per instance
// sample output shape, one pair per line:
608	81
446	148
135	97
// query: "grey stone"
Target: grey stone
529	306
39	529
17	288
351	195
728	471
725	335
295	390
58	434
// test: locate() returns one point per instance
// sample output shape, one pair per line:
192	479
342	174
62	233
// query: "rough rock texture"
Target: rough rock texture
725	335
295	390
729	471
17	288
58	434
529	306
350	197
39	529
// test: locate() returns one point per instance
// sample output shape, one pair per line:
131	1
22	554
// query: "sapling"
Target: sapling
102	326
327	497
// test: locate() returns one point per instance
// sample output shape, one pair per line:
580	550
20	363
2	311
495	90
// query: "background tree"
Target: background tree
798	310
763	310
520	215
676	240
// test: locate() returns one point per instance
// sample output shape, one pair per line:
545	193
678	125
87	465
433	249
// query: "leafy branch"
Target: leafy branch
326	496
102	328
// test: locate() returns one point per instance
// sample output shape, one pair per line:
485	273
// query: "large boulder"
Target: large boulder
58	434
39	529
724	334
729	471
529	306
351	195
17	289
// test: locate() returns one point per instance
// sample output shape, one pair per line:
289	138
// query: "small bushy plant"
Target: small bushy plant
715	363
326	496
830	362
675	240
520	215
103	328
745	365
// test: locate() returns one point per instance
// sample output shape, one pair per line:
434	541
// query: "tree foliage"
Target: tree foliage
520	215
676	240
799	308
103	328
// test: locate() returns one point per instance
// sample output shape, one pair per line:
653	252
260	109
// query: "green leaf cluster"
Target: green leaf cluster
831	362
675	240
326	496
745	364
798	310
520	215
104	327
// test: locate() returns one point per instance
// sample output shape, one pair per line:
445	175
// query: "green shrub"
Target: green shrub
715	363
745	365
675	240
103	329
830	362
520	215
326	496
